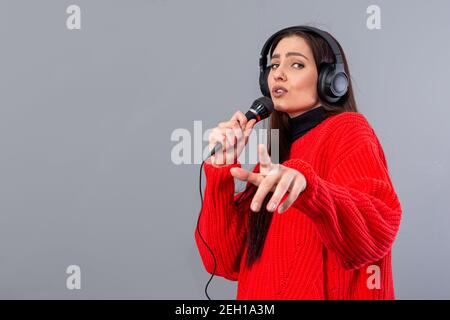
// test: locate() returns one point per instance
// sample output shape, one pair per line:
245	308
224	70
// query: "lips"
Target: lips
279	91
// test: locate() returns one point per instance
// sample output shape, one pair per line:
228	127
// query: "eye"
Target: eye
299	64
273	66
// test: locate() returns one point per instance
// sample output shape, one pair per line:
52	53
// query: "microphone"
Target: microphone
260	110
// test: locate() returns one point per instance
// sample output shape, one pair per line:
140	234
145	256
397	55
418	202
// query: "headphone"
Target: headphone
332	82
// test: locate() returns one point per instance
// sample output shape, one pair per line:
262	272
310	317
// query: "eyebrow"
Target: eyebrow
275	56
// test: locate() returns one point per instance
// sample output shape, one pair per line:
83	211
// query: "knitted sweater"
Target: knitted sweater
334	242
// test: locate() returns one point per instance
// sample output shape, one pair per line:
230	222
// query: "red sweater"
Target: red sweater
334	242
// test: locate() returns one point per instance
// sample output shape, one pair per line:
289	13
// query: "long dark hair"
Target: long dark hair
259	223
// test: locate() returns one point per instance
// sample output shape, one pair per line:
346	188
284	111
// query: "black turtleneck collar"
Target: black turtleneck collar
301	124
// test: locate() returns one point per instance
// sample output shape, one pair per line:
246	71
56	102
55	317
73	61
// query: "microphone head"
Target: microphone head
260	109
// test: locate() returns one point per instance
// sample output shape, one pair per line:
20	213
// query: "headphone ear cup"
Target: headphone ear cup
332	83
263	82
323	88
339	83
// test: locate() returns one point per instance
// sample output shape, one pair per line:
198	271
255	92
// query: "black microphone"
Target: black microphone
260	110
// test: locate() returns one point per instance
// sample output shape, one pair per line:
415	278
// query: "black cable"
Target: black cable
198	230
198	227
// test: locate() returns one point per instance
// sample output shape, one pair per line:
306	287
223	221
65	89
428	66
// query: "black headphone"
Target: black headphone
332	82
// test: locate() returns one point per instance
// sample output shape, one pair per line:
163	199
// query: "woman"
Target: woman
339	212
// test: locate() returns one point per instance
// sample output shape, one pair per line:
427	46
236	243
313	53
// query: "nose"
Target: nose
278	74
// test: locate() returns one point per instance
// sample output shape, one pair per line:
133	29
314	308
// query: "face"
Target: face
293	77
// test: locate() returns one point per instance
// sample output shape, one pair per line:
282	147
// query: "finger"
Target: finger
245	175
214	137
241	118
227	124
238	143
248	129
283	186
298	186
222	125
241	141
229	146
237	132
218	158
264	159
250	124
264	188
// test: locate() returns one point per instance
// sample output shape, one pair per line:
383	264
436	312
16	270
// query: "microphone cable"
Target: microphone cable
198	230
198	227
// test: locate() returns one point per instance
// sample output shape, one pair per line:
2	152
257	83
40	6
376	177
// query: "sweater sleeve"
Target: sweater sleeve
356	210
222	223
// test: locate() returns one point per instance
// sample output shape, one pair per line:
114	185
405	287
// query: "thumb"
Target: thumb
240	173
245	175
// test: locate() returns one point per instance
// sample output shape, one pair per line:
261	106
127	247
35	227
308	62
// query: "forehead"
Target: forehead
293	43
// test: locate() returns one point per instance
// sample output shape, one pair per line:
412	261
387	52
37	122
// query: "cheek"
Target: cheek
270	82
306	82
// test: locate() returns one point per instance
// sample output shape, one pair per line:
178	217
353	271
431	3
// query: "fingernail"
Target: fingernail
272	206
280	209
255	206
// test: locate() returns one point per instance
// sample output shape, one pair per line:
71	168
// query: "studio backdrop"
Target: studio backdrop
96	97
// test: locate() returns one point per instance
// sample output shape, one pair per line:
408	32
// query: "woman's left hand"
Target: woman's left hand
272	177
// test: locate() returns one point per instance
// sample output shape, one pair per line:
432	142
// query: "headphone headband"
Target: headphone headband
325	35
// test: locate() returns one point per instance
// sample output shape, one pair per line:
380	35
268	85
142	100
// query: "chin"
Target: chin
280	107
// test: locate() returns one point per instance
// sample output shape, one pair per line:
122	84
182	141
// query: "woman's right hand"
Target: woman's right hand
233	135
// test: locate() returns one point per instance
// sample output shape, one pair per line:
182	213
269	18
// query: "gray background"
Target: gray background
86	117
